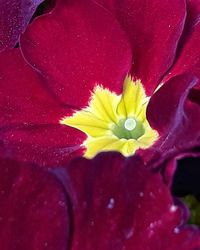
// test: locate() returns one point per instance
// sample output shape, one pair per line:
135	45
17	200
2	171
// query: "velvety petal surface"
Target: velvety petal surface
188	57
175	117
30	114
24	95
193	13
14	18
33	209
48	145
154	28
119	204
75	47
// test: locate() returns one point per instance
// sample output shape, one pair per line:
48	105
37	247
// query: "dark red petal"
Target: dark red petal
77	46
154	28
33	209
24	96
193	12
14	18
47	145
175	117
119	204
30	114
188	56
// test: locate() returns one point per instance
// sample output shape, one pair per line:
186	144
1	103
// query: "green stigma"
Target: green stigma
128	129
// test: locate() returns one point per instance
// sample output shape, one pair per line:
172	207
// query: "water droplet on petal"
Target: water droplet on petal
129	233
111	203
176	230
141	194
173	208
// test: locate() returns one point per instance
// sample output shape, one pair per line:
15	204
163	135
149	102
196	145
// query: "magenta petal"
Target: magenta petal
175	117
77	46
14	18
24	96
154	28
188	56
47	146
33	209
30	115
166	106
120	204
193	13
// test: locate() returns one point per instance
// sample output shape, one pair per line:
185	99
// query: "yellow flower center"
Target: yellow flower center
115	122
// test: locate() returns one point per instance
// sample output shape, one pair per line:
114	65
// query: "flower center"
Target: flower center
128	129
115	122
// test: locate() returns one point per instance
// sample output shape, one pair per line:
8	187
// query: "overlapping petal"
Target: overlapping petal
116	203
46	145
188	57
33	209
175	117
25	97
120	204
77	46
81	52
14	18
30	114
154	29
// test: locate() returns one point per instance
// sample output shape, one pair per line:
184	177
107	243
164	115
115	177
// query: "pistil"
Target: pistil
130	124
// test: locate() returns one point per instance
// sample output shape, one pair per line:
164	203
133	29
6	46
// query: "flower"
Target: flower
108	202
79	46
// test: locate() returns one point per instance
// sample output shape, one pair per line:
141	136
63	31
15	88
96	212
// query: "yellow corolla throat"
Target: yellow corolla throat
115	122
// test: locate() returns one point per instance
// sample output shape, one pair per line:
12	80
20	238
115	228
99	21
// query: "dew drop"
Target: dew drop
92	223
129	233
141	194
173	208
151	225
61	203
176	230
111	203
151	194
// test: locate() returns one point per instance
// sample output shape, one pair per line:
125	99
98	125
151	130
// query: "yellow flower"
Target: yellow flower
115	122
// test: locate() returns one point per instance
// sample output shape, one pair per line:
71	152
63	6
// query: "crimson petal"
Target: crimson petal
175	117
29	116
77	46
188	59
47	146
154	28
120	204
14	18
33	209
24	97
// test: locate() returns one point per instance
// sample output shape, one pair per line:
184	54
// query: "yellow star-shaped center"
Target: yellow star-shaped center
115	122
